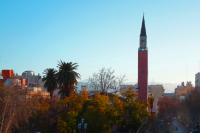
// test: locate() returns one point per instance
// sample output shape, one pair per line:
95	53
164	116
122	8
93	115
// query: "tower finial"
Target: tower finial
143	29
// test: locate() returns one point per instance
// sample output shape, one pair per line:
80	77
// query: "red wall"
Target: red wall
143	74
23	82
7	74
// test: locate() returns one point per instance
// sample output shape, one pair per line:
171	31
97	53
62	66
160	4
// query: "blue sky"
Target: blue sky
35	34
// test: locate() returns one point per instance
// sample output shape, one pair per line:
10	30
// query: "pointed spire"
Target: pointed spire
143	29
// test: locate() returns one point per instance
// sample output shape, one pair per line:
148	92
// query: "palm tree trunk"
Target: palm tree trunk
51	93
66	88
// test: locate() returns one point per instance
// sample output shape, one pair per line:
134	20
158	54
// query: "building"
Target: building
31	91
156	90
84	87
170	95
7	74
13	81
143	64
32	79
182	90
197	81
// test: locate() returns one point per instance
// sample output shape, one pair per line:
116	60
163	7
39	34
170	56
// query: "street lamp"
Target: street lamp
82	126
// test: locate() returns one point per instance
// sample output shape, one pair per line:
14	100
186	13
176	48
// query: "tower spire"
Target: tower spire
143	29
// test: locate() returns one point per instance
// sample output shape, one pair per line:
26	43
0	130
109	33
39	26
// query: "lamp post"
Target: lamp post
82	127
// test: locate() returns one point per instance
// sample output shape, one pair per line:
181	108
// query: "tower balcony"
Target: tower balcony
142	49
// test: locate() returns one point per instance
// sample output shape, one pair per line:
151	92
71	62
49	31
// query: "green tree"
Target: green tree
134	111
67	76
97	113
50	81
67	121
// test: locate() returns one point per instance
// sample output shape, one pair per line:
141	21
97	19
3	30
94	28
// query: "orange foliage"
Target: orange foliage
167	105
75	101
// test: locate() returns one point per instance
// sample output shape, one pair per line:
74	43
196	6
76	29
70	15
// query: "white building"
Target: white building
32	79
197	81
84	87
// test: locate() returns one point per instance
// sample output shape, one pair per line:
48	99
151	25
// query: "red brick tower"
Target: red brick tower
143	64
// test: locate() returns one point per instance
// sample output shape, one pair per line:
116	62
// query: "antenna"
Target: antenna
186	73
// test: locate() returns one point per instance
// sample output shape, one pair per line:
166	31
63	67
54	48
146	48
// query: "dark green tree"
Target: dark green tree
67	76
50	81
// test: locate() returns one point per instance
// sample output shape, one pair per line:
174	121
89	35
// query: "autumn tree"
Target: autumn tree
151	100
191	103
97	113
167	105
14	108
134	111
117	111
67	122
105	80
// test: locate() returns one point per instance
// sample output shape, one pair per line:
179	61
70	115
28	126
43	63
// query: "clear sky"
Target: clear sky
35	34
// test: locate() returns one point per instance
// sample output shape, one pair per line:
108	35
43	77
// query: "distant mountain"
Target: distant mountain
169	87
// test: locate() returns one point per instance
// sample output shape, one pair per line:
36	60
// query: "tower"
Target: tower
143	64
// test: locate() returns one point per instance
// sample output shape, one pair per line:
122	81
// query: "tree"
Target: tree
151	100
167	106
50	81
67	122
105	80
14	108
129	95
67	76
97	113
191	103
134	111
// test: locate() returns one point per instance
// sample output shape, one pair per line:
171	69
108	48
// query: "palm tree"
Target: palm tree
50	80
67	76
151	100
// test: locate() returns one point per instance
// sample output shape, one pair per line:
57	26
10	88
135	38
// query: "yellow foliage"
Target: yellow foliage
44	105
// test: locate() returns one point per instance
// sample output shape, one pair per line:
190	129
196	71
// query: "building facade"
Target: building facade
84	87
143	64
182	90
156	90
32	79
170	95
197	81
7	74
